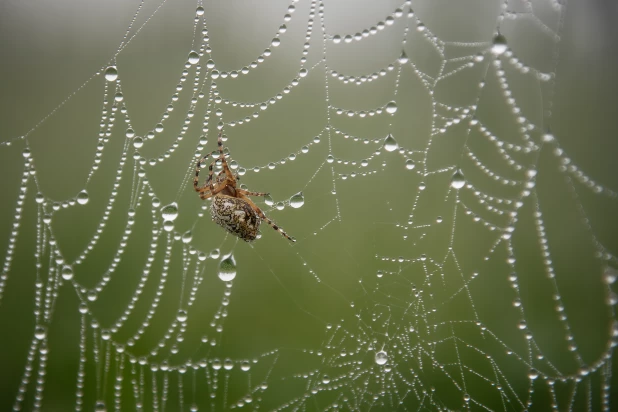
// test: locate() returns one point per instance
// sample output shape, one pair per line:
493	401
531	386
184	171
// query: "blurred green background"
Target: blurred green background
317	307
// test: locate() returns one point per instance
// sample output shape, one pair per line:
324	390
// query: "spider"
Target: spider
231	207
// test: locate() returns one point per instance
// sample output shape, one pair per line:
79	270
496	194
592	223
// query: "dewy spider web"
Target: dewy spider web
453	252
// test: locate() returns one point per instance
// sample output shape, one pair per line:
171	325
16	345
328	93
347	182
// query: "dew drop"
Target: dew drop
83	308
275	42
39	198
100	407
199	11
297	200
610	275
215	253
548	137
111	73
26	153
187	237
82	197
67	272
303	73
533	374
381	358
269	200
245	366
227	268
182	316
390	144
403	59
391	107
325	379
194	58
410	164
40	332
458	181
499	45
170	212
138	142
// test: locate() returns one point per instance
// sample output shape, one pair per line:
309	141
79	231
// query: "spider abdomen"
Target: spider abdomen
236	216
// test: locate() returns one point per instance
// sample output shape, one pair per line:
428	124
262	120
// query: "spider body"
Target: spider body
236	216
231	207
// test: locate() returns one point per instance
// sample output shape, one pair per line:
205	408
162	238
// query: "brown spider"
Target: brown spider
231	207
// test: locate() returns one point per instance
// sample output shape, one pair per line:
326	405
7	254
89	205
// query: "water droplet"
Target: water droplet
194	58
391	107
275	42
499	45
325	379
67	272
40	332
410	164
100	407
199	11
379	273
182	316
245	366
82	197
83	308
548	137
403	59
215	253
187	237
170	212
303	72
227	268
390	144
269	200
228	364
138	142
533	374
458	181
381	358
26	153
297	200
610	275
111	73
39	198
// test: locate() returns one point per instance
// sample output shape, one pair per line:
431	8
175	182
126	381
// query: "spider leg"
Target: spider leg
226	168
197	174
264	217
249	193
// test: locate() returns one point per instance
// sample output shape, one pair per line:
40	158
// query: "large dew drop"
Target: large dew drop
40	332
391	107
499	45
390	144
297	200
227	268
194	58
403	59
111	73
67	272
381	358
82	197
458	180
169	212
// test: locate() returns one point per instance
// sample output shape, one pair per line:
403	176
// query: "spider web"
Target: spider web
444	167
